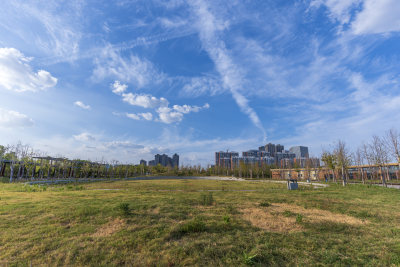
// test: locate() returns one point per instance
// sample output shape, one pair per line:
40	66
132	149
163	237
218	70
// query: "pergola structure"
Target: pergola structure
57	167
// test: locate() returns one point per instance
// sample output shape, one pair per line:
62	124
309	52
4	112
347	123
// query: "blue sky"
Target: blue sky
126	79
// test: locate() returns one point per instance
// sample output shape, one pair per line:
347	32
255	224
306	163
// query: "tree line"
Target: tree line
22	162
376	154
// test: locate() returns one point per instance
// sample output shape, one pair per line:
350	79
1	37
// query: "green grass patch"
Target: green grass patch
180	222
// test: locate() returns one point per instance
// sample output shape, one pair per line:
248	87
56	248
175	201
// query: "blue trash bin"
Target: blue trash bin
292	184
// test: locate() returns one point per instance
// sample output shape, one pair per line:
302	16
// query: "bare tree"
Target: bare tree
343	158
379	155
392	140
359	160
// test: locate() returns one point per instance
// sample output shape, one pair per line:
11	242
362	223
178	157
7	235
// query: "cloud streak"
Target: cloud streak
231	75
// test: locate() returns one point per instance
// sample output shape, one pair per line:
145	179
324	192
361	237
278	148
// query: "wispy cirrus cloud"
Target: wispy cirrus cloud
54	27
231	75
364	16
132	69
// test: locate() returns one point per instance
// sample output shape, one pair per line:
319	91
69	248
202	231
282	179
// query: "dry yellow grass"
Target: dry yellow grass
110	228
272	218
271	222
317	215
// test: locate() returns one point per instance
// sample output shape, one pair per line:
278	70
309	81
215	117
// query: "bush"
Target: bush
124	208
207	199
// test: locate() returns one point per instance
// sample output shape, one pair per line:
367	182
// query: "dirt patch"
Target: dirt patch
281	217
270	221
155	210
110	228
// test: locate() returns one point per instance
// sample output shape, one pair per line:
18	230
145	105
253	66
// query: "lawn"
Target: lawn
198	222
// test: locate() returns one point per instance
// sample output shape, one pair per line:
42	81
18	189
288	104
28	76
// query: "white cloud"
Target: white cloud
133	116
160	105
81	105
167	115
146	101
133	69
17	75
364	16
339	10
140	116
119	88
187	109
378	16
84	137
147	116
14	119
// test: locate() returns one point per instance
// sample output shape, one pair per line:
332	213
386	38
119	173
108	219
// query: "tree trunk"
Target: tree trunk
11	172
387	173
383	177
343	177
362	176
19	172
33	171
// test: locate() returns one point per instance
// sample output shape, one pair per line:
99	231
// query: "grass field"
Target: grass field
198	222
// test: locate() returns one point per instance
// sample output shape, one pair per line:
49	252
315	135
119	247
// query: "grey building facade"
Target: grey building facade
300	151
165	160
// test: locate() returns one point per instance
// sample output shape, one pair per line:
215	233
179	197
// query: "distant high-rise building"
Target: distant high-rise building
175	161
279	148
300	151
143	162
165	160
269	154
226	159
284	157
271	149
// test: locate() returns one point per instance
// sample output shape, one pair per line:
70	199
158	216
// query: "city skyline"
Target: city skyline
130	79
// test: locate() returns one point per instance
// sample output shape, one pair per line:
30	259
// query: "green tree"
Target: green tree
330	162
